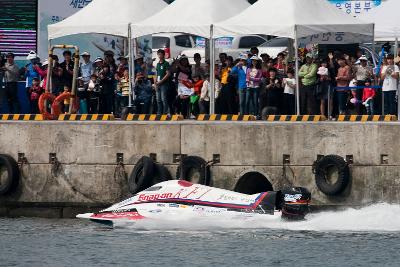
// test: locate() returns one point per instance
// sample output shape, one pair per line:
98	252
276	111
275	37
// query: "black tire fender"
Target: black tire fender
161	174
192	165
324	168
141	176
9	173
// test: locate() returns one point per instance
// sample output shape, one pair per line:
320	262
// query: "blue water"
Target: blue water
350	238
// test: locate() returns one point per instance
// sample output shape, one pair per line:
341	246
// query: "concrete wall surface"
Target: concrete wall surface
87	153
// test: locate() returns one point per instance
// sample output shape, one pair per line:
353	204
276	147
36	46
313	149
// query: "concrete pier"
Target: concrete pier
87	175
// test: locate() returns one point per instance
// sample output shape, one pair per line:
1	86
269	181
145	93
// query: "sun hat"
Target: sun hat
85	54
243	56
98	59
363	57
31	55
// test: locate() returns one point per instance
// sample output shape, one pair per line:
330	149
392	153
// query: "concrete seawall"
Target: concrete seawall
87	176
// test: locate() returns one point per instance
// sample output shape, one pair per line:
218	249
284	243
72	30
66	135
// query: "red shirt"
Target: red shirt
35	92
368	93
197	87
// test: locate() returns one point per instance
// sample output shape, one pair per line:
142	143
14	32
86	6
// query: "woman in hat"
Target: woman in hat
30	72
43	73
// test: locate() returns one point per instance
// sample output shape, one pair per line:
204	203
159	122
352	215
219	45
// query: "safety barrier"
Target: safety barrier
295	118
21	117
217	117
153	117
365	118
86	117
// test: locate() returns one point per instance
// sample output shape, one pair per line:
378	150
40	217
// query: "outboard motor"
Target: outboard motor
294	203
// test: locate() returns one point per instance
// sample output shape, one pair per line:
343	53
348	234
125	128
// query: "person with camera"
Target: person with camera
390	76
144	93
11	76
30	71
67	69
93	95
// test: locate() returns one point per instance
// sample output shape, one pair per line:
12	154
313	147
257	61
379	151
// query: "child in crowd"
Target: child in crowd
289	84
204	103
194	99
67	101
34	94
122	94
144	93
323	87
368	97
82	95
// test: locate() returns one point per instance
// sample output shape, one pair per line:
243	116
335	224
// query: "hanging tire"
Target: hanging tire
9	174
195	170
161	174
325	170
141	176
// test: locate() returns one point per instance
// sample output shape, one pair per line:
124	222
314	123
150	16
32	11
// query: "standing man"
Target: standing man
308	75
198	69
11	76
390	76
67	69
161	83
240	71
86	68
363	72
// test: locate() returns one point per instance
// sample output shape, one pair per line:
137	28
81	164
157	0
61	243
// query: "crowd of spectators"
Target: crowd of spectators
251	84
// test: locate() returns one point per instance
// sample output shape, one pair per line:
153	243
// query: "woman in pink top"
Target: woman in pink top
343	79
42	72
253	80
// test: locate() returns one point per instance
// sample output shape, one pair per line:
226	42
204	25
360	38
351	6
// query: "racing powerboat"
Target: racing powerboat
173	198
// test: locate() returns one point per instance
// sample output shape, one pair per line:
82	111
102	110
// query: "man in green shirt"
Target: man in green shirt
308	75
161	83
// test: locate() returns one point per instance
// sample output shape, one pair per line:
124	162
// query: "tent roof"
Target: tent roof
107	17
280	18
385	17
190	16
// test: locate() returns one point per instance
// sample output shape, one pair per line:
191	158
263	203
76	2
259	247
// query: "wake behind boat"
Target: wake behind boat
170	199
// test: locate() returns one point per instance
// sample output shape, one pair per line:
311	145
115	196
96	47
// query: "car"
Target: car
242	44
172	44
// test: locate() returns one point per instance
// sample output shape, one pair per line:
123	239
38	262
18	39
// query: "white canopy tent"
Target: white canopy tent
113	17
292	19
107	17
190	16
386	19
193	17
387	26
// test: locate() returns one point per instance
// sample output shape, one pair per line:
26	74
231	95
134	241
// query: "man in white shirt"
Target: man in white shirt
86	67
390	76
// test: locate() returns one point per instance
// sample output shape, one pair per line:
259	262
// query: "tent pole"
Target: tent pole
296	58
396	51
130	65
212	71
